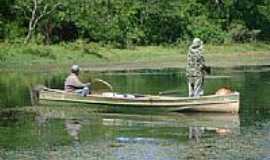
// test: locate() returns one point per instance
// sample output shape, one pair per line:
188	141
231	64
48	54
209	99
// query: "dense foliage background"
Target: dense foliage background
137	22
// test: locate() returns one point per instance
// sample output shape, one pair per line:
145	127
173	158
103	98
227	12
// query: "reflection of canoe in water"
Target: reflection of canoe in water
196	123
211	103
184	126
205	120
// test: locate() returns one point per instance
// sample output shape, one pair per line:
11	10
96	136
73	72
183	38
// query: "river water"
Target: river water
74	131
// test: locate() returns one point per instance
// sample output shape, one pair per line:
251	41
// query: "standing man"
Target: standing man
73	83
196	68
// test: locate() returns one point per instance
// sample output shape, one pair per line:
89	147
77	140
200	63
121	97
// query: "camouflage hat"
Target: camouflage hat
196	42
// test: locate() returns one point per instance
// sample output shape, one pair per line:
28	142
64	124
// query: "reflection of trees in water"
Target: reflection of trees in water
253	86
147	83
14	91
254	99
16	86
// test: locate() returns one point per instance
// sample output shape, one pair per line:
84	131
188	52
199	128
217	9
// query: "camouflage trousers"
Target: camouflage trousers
195	86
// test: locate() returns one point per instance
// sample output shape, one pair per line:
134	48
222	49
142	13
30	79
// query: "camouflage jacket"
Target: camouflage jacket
195	62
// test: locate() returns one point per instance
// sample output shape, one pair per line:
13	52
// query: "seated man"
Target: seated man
73	84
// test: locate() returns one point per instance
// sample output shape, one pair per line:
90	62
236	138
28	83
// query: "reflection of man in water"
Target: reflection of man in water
196	133
73	84
195	68
73	128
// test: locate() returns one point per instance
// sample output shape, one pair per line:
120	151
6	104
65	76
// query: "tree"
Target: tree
38	10
140	22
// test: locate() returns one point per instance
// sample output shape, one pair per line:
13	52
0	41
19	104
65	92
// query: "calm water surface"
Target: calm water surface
73	131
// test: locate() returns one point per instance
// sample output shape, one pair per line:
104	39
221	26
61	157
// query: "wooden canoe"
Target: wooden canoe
212	103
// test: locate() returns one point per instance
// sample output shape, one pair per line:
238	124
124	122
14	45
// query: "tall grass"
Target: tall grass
93	54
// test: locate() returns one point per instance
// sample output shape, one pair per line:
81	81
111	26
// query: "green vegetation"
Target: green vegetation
124	23
97	57
126	31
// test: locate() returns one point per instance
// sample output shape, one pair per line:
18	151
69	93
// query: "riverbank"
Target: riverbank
95	57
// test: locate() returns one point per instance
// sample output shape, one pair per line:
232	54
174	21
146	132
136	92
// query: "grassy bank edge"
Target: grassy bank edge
95	57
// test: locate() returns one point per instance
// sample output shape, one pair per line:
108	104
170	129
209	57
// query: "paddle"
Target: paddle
217	77
170	92
99	86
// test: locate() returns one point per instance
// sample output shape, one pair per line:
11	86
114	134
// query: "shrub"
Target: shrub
207	31
91	48
44	52
2	32
3	55
4	52
240	33
13	32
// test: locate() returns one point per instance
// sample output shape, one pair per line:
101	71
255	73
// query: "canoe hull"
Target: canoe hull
214	103
232	107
